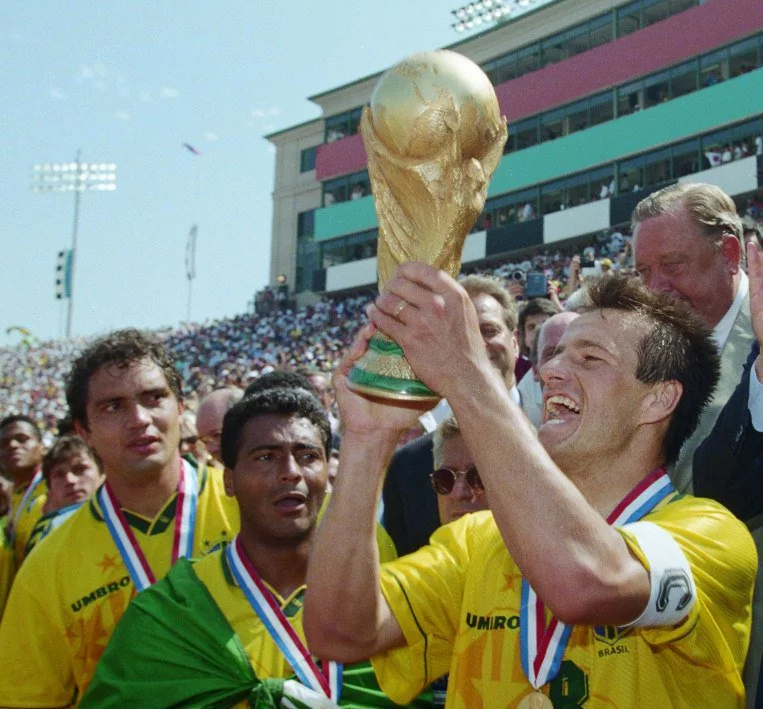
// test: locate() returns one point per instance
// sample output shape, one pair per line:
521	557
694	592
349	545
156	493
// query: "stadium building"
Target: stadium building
606	101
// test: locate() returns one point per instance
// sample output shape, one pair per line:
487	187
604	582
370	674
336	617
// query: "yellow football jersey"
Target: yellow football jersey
266	659
7	566
458	604
71	592
27	520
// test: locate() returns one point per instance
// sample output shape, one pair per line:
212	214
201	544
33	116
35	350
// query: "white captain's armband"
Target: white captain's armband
673	592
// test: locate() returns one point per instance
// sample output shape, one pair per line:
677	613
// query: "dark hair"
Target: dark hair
288	402
679	346
21	418
535	306
280	379
120	349
64	448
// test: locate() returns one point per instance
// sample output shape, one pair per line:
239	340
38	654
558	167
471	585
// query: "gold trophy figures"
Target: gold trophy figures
434	136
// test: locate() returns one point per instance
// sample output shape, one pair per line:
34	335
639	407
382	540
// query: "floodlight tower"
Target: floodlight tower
74	177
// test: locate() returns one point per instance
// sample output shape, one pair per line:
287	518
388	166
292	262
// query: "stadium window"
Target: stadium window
577	116
655	11
657	168
629	98
578	190
743	57
552	124
656	89
601	30
333	253
334	191
683	79
552	197
628	19
685	158
307	160
629	172
602	108
526	133
306	223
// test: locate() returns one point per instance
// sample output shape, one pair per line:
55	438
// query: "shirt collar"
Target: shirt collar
722	330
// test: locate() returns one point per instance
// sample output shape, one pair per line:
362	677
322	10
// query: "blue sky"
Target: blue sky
129	82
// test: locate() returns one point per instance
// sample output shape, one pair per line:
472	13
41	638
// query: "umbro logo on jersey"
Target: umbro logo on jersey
492	622
100	592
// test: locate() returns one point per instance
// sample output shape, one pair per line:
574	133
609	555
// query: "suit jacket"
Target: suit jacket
410	502
733	358
728	464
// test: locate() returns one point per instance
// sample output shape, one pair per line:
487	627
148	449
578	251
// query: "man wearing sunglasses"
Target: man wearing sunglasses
455	478
590	576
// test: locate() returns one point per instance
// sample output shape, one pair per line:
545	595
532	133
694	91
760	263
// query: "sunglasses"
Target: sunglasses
443	479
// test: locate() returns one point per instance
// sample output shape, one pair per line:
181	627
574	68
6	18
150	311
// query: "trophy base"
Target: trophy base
383	372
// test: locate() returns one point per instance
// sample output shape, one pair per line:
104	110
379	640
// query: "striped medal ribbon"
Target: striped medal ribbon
126	543
33	483
327	681
542	647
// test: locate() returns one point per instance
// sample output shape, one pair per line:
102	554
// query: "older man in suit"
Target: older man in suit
687	241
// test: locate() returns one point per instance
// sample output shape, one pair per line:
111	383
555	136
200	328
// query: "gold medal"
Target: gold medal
536	700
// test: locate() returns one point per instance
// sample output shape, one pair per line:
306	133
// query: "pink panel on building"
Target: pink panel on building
340	157
687	34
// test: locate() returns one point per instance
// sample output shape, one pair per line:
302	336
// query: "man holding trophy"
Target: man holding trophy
590	580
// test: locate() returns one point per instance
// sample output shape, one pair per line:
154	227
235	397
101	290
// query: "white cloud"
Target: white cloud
100	85
57	94
212	137
100	69
145	97
169	92
86	71
274	111
122	91
258	113
122	115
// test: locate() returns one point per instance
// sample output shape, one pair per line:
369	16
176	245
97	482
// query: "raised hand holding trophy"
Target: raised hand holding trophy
433	136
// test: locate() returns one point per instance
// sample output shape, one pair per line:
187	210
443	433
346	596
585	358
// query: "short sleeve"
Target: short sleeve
424	592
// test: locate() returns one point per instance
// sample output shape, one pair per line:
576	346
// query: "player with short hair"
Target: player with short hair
124	396
590	577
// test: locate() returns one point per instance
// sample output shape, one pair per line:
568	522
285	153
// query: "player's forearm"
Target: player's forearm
559	541
344	609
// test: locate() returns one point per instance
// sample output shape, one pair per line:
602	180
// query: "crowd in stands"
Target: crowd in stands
234	351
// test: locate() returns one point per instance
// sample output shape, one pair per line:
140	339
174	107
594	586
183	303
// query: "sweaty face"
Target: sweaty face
72	480
671	256
20	449
501	343
591	395
133	419
280	477
462	499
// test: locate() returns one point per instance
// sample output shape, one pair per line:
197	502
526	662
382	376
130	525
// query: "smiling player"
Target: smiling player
591	577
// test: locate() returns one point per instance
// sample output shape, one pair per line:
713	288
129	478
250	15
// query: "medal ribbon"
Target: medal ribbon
542	647
328	683
33	483
126	543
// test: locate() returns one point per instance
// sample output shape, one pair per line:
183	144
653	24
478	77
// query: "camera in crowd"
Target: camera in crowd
536	284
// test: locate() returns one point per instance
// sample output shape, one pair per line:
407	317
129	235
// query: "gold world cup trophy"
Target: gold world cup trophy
434	136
